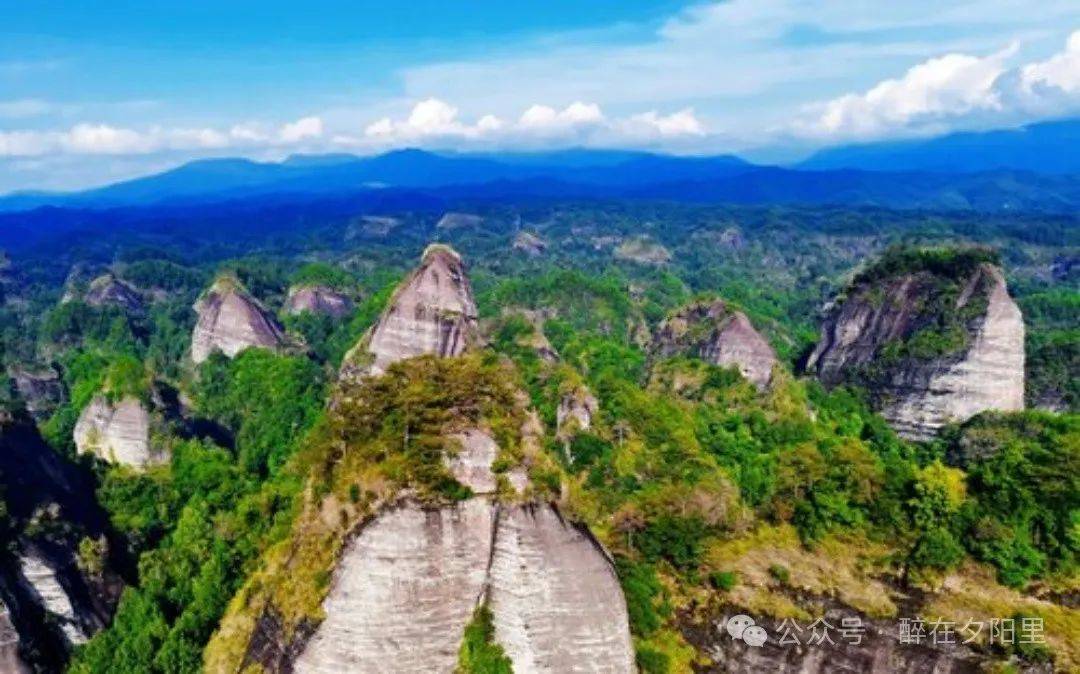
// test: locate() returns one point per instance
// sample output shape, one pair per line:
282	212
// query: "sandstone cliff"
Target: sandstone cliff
107	289
10	660
432	312
407	585
317	300
118	432
930	346
713	332
230	321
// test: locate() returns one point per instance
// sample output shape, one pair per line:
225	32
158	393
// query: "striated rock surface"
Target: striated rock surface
403	592
118	433
42	390
50	595
407	585
554	596
317	300
107	289
713	332
872	337
230	321
432	312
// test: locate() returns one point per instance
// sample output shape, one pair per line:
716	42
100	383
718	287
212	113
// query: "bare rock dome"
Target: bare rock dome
230	320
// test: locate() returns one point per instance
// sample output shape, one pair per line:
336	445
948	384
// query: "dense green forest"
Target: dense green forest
687	468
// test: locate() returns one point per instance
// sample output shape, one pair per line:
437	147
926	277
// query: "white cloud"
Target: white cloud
681	123
302	129
105	139
951	90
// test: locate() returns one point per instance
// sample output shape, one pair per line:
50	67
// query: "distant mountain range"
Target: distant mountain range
1049	147
1033	168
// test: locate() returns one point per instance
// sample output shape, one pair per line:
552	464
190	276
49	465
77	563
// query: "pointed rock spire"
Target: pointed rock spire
230	320
432	312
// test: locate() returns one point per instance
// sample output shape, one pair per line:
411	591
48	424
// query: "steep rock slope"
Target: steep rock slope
40	389
715	333
107	289
230	320
117	432
10	660
932	342
433	311
407	586
317	300
576	410
51	602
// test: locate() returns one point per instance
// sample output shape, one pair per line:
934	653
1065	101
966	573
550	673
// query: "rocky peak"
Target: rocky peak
119	433
715	333
453	220
317	299
108	289
431	312
930	345
230	320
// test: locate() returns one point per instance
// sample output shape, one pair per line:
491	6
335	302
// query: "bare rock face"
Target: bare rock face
41	389
118	433
403	593
432	312
471	466
917	393
51	596
10	661
107	289
459	221
407	585
230	321
317	300
715	333
643	251
576	411
554	596
530	244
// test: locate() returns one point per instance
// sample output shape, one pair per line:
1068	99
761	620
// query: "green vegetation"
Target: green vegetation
479	652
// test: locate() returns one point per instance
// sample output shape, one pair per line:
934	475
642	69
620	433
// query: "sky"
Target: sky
93	92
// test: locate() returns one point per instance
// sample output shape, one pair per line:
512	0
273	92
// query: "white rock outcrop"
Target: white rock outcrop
119	432
576	411
50	595
317	300
230	321
432	312
108	289
917	397
715	333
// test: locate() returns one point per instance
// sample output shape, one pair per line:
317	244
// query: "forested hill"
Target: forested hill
270	398
586	173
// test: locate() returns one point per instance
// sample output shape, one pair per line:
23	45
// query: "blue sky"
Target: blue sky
96	91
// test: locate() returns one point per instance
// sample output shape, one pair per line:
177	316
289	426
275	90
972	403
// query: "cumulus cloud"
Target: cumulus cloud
947	90
433	118
104	139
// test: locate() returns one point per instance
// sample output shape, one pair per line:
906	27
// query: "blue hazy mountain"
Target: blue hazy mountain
573	174
1048	147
